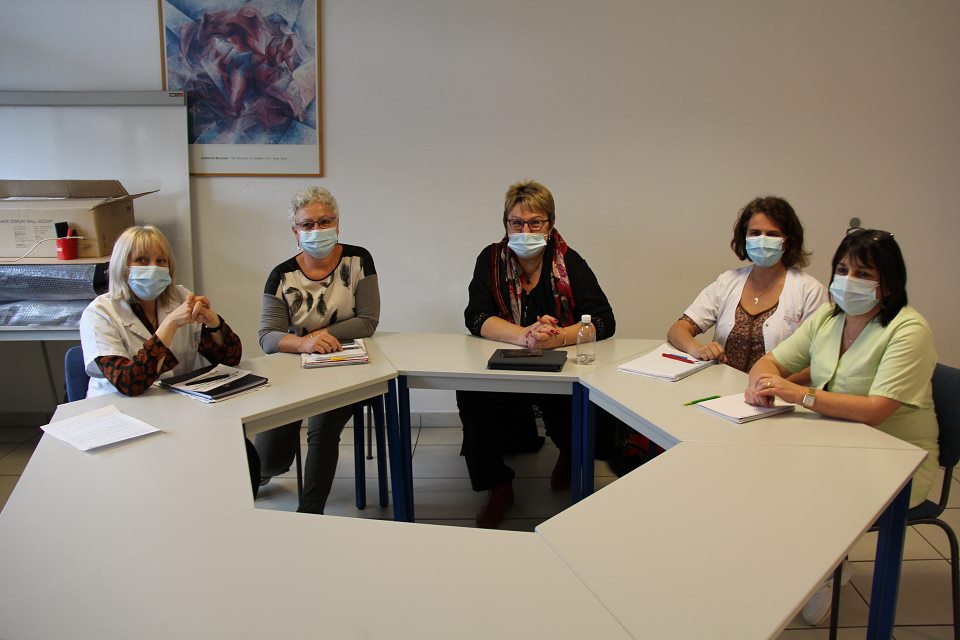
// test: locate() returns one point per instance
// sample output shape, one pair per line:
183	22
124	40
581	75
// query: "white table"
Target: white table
70	507
714	540
452	361
159	537
656	408
264	574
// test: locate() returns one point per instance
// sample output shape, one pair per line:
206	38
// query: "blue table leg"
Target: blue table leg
589	442
886	576
406	445
395	445
582	445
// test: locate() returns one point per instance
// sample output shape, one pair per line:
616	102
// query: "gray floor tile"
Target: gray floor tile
848	633
944	632
924	595
16	461
439	461
19	434
7	483
440	435
915	547
935	535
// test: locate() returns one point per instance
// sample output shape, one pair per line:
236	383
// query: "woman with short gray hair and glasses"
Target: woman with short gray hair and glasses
325	294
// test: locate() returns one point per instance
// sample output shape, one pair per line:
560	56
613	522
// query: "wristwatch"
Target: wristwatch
809	398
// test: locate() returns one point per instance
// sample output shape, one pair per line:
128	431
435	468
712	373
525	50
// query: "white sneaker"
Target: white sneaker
818	606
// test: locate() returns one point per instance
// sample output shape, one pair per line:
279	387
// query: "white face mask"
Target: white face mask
764	251
527	245
148	282
853	295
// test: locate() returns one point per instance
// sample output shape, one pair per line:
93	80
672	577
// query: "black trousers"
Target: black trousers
487	417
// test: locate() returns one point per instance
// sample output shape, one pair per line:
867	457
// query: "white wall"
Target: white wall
652	122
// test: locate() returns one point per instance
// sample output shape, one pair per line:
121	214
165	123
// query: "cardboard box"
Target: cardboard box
97	210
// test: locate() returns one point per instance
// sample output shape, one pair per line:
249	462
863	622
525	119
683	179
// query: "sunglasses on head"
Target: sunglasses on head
872	234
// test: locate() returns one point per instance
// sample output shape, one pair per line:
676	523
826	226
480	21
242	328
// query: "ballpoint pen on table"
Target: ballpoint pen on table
687	404
674	356
205	380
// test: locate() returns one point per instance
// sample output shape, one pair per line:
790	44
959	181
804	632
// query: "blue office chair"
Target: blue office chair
946	399
376	405
75	374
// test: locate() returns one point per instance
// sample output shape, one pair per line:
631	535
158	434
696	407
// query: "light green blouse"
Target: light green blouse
895	361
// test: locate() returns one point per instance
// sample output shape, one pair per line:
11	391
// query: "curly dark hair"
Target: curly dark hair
783	215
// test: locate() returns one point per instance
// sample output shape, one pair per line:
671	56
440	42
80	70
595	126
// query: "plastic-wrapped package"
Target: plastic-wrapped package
52	281
42	313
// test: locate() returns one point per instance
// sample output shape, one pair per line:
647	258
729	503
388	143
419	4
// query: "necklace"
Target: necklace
756	298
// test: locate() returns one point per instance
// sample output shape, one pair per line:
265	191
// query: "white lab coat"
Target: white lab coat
717	305
108	327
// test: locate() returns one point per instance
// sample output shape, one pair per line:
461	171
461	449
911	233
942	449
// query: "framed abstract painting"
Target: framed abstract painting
251	73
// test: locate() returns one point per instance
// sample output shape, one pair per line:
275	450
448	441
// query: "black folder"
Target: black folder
527	360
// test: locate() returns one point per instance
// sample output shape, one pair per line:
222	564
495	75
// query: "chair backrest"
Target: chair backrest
75	374
946	399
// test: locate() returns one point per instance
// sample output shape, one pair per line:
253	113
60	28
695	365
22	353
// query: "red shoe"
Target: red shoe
499	499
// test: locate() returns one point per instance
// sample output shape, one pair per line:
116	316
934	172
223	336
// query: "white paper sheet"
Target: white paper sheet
98	428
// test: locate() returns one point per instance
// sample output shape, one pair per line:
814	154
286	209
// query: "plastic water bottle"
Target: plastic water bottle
586	341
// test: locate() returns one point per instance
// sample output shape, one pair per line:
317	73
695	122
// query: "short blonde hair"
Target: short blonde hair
135	240
530	195
309	196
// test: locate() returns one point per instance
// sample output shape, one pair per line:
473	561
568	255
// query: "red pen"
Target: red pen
70	232
674	356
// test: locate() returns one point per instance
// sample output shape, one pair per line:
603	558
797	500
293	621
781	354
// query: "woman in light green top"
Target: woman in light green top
871	358
871	355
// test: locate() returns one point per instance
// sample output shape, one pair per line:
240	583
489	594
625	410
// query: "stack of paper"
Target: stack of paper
353	353
735	409
212	384
665	363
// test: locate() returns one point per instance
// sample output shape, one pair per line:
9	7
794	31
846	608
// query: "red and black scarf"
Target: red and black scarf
505	273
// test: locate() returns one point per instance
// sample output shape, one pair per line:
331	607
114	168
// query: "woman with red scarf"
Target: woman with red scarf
528	289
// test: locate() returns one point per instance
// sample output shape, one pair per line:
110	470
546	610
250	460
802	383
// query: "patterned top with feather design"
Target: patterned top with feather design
346	302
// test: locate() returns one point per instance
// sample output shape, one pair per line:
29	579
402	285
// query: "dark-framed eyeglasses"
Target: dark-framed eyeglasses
872	234
310	225
516	224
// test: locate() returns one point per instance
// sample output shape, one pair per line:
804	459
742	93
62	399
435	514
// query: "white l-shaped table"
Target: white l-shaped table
160	538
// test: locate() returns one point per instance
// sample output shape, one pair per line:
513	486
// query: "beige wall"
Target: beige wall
652	122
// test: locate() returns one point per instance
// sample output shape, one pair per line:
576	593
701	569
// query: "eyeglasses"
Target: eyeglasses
310	225
872	234
516	224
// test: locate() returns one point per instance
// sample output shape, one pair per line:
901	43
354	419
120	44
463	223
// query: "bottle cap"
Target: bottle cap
585	318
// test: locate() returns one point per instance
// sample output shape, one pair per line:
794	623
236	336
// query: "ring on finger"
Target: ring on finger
769	383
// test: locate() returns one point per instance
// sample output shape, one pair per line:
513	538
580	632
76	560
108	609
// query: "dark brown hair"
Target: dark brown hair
783	215
878	250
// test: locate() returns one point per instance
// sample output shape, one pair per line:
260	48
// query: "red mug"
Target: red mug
67	248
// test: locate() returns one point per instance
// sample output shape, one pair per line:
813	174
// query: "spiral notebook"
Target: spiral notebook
665	363
735	409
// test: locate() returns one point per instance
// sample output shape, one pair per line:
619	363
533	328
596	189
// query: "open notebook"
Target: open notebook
735	409
666	363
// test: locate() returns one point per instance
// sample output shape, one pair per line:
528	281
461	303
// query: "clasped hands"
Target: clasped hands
545	333
194	309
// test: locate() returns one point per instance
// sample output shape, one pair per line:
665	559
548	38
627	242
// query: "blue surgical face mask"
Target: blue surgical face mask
764	251
147	283
527	245
853	295
319	242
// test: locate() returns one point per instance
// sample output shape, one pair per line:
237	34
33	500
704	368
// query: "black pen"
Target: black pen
210	379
